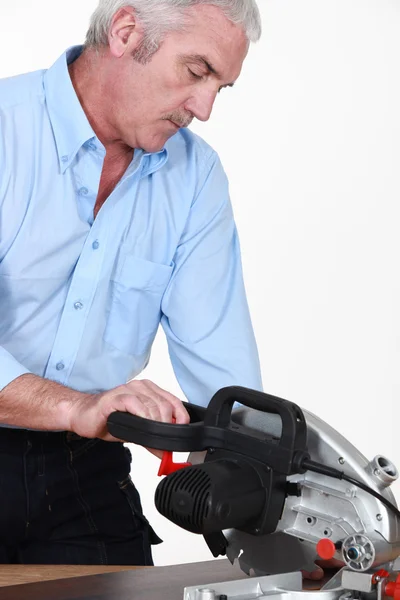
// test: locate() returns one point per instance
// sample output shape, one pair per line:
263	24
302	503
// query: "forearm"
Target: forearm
36	403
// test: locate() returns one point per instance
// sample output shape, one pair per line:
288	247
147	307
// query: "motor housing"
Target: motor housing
224	492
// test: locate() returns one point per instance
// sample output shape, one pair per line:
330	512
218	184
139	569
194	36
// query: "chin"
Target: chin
156	144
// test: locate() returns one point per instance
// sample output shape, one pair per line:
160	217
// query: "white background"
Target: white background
310	140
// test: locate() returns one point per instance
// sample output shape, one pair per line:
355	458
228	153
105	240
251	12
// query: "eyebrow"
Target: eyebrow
203	61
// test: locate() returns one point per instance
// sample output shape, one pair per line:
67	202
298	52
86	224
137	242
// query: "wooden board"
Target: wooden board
18	574
158	583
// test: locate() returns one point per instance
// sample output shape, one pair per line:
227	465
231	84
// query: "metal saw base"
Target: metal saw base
345	585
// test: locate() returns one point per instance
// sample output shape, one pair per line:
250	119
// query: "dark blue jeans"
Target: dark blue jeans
69	500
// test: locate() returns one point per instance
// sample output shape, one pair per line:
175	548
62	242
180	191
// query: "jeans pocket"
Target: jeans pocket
131	494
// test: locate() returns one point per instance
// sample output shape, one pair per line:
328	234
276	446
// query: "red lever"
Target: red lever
326	549
168	466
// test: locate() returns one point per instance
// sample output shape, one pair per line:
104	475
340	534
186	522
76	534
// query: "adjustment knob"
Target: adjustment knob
326	549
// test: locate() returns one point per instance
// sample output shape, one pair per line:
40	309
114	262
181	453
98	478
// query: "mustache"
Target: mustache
180	119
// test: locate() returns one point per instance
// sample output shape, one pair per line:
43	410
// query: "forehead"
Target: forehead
209	33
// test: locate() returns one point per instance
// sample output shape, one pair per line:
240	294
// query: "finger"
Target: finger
110	438
133	404
166	411
179	411
158	405
151	398
150	407
314	575
125	403
181	415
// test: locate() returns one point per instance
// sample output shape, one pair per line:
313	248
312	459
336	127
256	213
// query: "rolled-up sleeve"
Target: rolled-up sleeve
10	368
205	311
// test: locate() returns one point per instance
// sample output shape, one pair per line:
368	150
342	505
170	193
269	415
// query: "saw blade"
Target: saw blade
269	554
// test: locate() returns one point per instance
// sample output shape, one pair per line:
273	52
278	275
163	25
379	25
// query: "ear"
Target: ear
125	32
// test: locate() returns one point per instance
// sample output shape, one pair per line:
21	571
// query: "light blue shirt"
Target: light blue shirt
81	299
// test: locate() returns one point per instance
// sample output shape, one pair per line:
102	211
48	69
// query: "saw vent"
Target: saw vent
184	498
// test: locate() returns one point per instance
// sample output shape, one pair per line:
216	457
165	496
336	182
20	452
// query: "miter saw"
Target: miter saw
276	488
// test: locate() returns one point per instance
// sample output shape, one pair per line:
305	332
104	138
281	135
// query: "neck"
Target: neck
88	80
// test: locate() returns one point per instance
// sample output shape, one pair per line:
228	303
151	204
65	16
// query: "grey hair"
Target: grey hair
158	17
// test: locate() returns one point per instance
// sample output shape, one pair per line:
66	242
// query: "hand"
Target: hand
89	413
321	567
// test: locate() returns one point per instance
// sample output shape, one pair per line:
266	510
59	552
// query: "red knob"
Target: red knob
392	588
326	549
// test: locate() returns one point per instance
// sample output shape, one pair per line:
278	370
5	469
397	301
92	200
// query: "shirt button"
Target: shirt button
83	191
60	366
64	158
95	245
78	305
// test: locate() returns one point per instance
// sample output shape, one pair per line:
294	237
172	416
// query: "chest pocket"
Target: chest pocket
136	293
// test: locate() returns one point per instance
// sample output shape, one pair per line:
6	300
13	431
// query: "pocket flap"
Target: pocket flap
142	274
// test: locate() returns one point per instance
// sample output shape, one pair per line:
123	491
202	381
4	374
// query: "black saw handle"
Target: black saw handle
212	427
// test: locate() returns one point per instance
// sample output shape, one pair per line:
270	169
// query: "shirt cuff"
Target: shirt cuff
10	368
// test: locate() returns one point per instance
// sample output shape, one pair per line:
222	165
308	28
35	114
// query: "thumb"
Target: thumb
158	453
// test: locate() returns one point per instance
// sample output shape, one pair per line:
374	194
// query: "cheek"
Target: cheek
179	98
172	92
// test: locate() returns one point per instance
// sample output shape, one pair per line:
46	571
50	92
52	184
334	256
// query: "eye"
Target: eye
194	75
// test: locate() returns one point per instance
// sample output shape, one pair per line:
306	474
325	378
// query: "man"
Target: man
113	218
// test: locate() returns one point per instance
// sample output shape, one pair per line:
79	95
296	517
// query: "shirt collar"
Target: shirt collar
155	160
70	125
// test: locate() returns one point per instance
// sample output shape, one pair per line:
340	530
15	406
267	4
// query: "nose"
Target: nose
201	104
